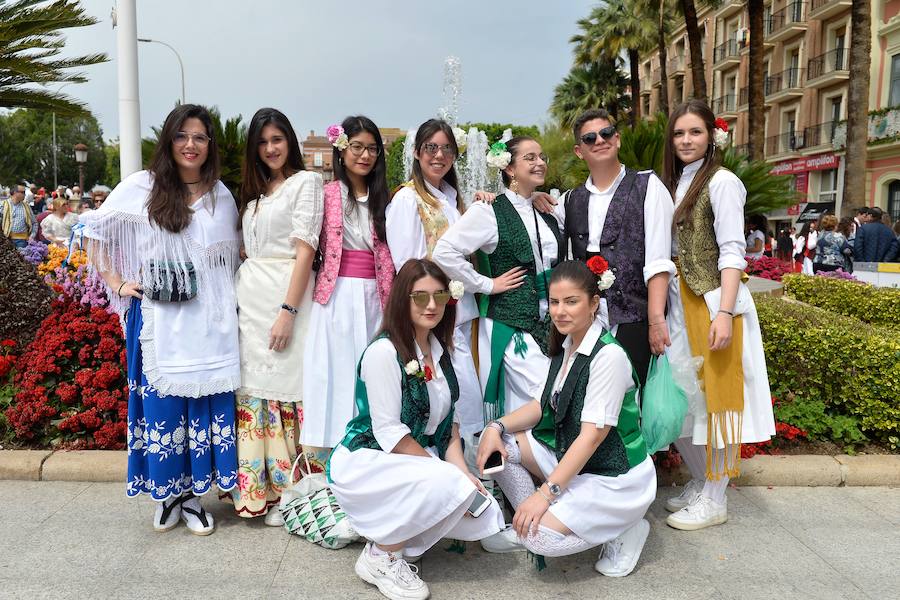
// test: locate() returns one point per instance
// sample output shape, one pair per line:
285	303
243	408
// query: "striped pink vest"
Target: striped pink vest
331	247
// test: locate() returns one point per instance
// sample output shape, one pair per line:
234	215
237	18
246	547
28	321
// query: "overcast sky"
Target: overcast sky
321	61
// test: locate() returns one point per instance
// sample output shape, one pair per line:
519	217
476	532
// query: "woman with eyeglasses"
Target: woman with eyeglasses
281	218
420	212
517	248
166	243
399	472
352	285
712	315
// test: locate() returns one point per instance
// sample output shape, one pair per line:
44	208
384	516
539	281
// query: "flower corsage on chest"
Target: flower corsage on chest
419	370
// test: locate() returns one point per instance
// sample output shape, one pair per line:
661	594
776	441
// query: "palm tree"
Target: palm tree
612	29
857	106
698	72
662	30
30	43
756	101
598	84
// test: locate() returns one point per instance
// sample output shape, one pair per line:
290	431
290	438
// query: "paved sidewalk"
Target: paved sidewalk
86	540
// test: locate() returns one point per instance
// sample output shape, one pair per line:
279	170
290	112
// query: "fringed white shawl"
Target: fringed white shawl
189	349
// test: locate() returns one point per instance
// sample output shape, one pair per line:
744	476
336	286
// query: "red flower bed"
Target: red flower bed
71	380
767	267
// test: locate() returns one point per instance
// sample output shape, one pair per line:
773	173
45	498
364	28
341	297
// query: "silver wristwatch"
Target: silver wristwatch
554	489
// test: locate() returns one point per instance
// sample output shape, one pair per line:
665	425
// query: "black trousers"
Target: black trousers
633	337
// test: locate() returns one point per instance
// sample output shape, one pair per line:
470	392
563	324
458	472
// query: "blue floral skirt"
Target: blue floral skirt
176	445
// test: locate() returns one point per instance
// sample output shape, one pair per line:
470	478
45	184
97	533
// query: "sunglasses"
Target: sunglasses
606	133
421	298
432	149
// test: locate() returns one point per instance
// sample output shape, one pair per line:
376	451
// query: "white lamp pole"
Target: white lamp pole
178	56
125	21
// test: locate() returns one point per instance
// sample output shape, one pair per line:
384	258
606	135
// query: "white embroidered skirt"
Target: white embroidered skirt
394	498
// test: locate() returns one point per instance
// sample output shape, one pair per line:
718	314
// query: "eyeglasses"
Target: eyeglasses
357	149
606	133
532	158
421	298
200	139
432	149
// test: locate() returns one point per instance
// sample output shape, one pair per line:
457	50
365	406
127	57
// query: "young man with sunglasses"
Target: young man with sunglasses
625	216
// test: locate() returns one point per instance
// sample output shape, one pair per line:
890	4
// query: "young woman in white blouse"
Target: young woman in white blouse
419	214
581	441
281	217
712	315
399	472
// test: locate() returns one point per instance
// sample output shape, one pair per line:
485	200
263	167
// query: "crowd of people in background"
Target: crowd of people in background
829	243
29	212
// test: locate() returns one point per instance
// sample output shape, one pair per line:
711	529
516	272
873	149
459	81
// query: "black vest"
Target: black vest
621	244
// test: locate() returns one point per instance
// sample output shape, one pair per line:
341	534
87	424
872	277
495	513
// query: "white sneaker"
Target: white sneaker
702	512
197	520
394	577
274	517
621	554
502	542
687	495
167	514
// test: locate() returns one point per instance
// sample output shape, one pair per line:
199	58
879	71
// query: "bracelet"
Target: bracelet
119	291
543	495
498	425
727	312
289	308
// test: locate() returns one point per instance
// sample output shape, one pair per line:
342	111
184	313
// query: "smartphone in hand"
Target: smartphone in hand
479	504
494	463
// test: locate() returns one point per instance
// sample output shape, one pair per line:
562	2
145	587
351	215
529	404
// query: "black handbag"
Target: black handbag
167	290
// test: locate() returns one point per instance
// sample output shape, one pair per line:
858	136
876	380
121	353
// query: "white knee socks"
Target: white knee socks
547	542
514	480
695	458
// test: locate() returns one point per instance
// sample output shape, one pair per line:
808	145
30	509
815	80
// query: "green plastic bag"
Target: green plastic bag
663	406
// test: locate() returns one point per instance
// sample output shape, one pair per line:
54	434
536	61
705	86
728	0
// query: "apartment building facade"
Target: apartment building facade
318	152
806	86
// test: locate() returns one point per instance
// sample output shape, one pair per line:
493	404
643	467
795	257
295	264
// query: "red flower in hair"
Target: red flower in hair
722	124
597	265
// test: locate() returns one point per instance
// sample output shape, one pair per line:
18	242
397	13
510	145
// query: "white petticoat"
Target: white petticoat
758	422
393	498
338	334
595	507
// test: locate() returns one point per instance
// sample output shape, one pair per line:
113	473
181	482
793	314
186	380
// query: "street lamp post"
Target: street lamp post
55	182
81	152
178	56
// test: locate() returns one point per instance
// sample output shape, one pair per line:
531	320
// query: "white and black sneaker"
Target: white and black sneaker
168	512
395	578
197	520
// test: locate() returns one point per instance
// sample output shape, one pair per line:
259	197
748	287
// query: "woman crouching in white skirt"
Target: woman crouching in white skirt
399	472
582	440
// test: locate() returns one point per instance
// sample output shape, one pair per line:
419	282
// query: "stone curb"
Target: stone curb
804	470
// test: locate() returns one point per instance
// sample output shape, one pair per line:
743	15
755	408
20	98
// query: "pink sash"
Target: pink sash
357	263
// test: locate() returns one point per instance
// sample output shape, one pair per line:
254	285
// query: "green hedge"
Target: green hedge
870	304
850	367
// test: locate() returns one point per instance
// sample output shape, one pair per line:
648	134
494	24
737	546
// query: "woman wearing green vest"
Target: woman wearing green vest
582	440
712	315
399	472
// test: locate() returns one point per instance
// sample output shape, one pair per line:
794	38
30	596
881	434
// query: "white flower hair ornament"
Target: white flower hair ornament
456	289
498	157
337	137
720	134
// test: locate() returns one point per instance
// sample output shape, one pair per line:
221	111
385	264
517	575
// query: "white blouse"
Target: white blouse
658	210
272	224
357	222
727	195
477	230
382	374
608	382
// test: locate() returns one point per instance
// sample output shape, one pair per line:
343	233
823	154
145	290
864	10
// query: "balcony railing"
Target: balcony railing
784	142
724	104
793	13
656	76
728	49
823	133
744	93
831	61
883	127
675	64
786	80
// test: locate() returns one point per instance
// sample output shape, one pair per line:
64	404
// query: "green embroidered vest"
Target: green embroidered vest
414	410
624	446
698	250
518	308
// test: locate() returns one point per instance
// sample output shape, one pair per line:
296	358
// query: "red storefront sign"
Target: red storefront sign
819	162
793	210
